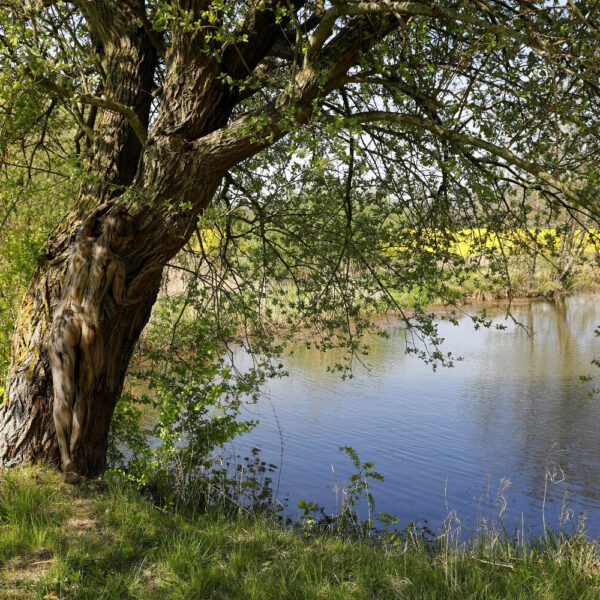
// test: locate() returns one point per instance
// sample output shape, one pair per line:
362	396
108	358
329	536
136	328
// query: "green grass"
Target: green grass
105	541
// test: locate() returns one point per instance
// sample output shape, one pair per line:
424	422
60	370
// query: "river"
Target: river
510	435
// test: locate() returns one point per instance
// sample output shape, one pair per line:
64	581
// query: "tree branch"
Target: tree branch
257	130
104	103
455	137
260	30
155	39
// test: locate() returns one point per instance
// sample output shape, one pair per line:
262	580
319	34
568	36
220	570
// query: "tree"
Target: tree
433	109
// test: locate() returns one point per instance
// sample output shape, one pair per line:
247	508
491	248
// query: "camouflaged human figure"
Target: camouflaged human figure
95	273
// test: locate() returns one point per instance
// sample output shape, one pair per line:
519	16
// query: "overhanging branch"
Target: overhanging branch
464	139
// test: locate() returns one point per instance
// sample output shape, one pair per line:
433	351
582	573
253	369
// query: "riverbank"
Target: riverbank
102	540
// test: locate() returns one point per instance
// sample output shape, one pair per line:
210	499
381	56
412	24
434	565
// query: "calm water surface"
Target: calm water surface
511	429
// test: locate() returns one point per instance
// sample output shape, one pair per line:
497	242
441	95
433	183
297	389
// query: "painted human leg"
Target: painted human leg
63	351
86	372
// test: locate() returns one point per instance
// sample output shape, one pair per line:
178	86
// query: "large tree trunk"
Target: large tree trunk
27	431
145	187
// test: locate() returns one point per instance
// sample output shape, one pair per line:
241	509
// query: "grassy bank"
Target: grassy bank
106	541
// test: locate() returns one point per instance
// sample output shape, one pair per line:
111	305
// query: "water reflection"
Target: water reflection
514	408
